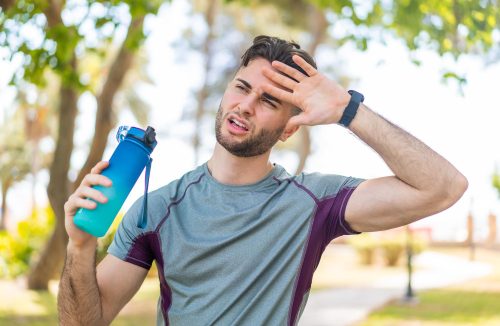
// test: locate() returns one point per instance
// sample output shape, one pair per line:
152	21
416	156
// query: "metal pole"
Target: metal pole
409	295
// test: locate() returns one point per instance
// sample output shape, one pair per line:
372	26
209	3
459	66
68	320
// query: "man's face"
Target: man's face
249	121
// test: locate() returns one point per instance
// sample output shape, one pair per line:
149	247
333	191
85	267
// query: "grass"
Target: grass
19	306
26	307
442	307
475	302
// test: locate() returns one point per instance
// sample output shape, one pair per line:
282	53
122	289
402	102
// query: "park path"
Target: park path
345	306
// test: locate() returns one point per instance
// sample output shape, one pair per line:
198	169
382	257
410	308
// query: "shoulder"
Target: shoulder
159	199
176	188
317	185
323	185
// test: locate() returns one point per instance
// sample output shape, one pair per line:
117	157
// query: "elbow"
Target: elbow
454	189
463	184
460	185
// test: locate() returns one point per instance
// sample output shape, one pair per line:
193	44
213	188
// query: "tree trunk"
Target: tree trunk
203	92
6	4
51	258
319	25
104	121
5	189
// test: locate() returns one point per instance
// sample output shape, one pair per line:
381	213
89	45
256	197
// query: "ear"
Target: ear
289	131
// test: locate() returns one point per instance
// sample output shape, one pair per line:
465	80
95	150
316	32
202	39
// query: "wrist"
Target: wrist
86	248
351	108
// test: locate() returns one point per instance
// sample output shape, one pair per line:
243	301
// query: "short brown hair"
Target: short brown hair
273	48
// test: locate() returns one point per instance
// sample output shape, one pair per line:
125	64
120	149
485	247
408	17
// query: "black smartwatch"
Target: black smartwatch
351	108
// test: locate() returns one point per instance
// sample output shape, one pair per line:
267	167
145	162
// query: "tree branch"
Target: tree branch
103	122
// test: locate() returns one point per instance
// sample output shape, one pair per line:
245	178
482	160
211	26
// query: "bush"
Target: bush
19	248
365	246
394	248
391	249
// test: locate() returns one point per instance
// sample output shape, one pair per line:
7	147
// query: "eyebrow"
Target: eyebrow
266	95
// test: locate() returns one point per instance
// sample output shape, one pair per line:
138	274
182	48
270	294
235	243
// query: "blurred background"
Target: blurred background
71	72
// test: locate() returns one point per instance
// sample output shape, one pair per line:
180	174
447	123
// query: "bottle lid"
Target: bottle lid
147	137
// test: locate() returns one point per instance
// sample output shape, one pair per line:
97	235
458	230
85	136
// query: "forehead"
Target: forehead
253	74
254	70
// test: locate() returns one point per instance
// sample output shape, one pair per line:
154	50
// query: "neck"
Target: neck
229	169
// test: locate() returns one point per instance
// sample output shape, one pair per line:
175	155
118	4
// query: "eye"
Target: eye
241	87
268	102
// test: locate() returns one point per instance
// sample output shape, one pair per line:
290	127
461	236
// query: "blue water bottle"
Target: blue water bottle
125	166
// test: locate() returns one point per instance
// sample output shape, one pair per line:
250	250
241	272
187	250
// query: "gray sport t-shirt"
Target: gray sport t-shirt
236	255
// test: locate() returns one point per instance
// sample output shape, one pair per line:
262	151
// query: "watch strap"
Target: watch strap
351	108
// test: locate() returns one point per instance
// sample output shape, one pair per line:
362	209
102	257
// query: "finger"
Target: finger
92	193
84	203
99	167
96	179
290	71
280	94
310	70
74	202
295	121
280	79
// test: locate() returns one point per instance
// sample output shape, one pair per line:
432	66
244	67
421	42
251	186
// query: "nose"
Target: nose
247	104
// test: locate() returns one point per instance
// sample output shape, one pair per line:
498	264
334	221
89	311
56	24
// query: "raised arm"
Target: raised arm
424	182
90	296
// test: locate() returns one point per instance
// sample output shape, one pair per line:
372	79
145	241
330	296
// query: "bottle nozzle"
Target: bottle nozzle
150	135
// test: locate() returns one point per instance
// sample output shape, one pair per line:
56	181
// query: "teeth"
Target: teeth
239	124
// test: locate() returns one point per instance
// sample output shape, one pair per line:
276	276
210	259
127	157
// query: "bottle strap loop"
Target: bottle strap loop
142	222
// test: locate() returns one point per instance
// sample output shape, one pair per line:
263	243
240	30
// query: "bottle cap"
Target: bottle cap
147	137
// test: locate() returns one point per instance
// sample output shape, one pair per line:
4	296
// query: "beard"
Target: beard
252	146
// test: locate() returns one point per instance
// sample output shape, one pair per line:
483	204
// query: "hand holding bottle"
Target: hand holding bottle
129	159
81	198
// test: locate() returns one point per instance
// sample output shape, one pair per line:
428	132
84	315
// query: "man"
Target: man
236	241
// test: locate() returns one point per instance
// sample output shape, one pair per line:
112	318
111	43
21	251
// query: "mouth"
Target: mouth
237	125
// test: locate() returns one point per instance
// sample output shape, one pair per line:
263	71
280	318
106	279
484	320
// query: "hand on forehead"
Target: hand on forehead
287	79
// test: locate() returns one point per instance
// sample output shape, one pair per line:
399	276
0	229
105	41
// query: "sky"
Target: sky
464	129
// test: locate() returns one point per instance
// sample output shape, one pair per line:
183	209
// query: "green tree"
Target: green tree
56	36
454	28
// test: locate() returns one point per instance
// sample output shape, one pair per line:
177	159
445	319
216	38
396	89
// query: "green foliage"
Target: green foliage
451	26
19	248
42	36
454	27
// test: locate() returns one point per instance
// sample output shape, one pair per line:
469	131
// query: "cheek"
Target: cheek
271	119
230	99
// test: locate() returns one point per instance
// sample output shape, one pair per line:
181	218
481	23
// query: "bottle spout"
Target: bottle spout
150	137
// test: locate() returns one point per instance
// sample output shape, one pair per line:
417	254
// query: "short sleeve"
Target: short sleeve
131	243
332	193
339	225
